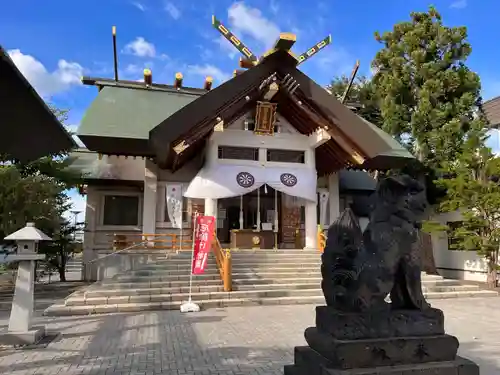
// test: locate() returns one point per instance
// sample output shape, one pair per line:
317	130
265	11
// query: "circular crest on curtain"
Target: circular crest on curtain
245	179
288	179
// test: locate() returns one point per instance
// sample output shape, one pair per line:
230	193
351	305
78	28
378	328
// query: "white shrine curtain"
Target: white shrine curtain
225	181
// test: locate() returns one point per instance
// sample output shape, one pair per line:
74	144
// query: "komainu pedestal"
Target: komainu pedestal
358	332
390	342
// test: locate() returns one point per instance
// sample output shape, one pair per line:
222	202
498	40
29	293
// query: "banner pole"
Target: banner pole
192	258
182	223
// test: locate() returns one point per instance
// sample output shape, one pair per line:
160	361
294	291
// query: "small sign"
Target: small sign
265	118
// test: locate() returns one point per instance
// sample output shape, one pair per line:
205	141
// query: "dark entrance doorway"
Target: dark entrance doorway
258	202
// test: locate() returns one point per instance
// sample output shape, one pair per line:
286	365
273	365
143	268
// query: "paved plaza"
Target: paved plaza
250	340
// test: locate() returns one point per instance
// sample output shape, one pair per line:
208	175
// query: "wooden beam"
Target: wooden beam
180	147
319	137
178	80
208	83
148	77
272	90
247	63
285	41
335	133
219	126
231	38
351	81
314	49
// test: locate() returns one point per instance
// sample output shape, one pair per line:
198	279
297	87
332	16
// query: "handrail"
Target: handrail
321	239
159	241
224	264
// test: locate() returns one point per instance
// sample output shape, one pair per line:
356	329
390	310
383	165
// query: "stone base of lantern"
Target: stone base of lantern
30	337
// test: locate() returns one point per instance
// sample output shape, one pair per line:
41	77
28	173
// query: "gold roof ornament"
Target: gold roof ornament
284	43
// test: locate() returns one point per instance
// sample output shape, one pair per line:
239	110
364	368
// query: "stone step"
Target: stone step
245	284
236	260
113	284
235	266
195	288
125	293
461	294
235	270
245	294
62	310
214	276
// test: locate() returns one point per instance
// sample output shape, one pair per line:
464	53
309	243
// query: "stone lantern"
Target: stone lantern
20	331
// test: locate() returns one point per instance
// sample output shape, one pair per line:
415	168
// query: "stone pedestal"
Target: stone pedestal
405	342
20	330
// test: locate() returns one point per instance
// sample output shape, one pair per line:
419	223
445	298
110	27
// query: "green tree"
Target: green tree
428	97
474	190
62	246
429	100
36	192
361	95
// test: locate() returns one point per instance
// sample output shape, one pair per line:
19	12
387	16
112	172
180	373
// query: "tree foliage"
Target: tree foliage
361	93
474	191
428	97
430	101
63	244
37	192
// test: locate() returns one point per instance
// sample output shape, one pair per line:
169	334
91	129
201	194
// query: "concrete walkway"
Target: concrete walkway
244	340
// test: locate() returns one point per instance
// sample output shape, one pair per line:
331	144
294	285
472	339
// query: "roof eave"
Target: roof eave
61	139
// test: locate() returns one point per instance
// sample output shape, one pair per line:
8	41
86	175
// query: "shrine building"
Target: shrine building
270	153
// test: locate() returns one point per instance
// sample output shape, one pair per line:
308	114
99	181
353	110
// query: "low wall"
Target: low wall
107	264
454	264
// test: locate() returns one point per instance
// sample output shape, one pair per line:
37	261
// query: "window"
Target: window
185	211
121	210
238	153
452	242
286	156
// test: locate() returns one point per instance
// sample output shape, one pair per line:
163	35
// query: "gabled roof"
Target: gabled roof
30	128
308	108
119	120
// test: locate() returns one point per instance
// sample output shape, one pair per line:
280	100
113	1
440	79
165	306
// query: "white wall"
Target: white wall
465	265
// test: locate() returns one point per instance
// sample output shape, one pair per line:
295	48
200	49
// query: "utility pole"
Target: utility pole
75	216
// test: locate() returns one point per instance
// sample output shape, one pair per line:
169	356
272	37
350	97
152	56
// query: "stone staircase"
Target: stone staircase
260	277
74	264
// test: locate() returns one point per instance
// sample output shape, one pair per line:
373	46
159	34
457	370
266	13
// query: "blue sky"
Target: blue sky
54	44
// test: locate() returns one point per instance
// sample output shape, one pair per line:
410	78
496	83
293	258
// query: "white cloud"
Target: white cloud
171	9
244	20
139	6
140	47
47	83
226	47
459	4
208	70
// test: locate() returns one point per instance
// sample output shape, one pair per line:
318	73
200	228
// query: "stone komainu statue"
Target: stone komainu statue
360	269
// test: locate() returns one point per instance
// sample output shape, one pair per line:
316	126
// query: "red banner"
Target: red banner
204	235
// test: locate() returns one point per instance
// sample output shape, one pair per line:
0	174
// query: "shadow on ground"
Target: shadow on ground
172	347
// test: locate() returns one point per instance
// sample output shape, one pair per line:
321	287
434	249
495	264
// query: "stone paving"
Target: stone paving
239	340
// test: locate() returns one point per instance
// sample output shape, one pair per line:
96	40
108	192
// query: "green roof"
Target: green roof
121	112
